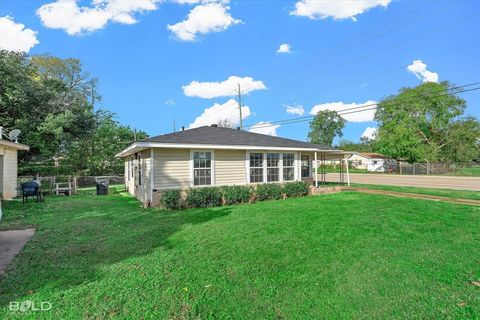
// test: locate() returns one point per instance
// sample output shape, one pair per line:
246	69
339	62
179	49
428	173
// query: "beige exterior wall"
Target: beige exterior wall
139	185
171	168
230	167
8	172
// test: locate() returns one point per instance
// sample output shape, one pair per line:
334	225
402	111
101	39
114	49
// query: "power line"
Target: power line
455	22
373	105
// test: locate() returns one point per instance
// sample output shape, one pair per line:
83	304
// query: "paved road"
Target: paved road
441	182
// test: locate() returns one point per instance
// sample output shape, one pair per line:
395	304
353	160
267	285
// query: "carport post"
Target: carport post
316	168
348	174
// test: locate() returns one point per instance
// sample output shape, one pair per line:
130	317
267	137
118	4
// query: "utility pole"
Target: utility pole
240	105
174	127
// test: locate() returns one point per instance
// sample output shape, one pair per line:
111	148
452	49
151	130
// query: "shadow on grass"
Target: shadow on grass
78	235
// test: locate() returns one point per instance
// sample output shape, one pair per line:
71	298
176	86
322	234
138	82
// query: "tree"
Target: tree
363	146
416	123
50	100
462	140
325	126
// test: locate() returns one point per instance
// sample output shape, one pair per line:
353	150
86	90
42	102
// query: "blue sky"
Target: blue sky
340	52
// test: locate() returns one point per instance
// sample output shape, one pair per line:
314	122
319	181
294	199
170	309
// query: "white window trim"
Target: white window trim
212	168
296	166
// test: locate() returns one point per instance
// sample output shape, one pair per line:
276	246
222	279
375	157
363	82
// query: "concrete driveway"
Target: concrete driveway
11	242
421	181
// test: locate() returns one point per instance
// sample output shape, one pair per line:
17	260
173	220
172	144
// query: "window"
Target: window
288	162
271	167
131	167
202	168
305	160
273	170
129	164
256	167
139	166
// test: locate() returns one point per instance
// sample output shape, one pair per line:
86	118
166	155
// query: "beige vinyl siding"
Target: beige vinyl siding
143	190
9	173
230	167
171	168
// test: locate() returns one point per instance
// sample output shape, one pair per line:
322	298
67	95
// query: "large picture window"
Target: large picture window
273	169
256	167
202	168
288	161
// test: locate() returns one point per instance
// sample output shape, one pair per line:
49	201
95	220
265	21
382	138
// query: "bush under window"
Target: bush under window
269	191
170	199
204	197
237	194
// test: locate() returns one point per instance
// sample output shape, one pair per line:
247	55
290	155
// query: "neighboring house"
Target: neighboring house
373	162
215	156
9	167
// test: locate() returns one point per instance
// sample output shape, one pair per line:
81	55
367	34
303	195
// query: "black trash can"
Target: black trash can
102	186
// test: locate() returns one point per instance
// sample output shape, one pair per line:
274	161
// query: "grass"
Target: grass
469	172
460	194
346	255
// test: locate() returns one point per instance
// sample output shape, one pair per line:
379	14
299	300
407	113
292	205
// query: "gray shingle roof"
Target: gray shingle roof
234	137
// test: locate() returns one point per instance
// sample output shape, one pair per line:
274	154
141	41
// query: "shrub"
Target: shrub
269	191
296	189
236	194
170	199
204	197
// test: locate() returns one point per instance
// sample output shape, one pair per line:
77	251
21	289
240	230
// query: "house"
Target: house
216	156
373	162
9	167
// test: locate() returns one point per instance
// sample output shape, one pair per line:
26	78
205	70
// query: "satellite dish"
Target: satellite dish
13	135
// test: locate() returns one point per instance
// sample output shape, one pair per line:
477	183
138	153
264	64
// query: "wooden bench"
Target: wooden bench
63	187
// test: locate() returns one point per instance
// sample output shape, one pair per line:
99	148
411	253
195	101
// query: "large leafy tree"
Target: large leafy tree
51	101
423	124
325	126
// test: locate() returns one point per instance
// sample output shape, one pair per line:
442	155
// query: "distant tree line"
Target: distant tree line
426	123
51	101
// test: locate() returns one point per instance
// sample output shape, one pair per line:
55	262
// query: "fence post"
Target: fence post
400	165
413	169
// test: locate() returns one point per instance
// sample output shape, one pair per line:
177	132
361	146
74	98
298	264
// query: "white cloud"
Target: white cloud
336	9
170	102
360	114
284	48
15	37
200	1
369	133
419	69
67	15
204	18
226	88
219	112
295	109
265	127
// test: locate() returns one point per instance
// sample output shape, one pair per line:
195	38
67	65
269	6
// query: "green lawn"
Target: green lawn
345	255
461	194
472	172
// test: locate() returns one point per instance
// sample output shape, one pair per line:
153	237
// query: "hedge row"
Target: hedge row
216	196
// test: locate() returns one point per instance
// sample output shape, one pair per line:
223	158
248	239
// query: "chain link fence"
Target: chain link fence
460	169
